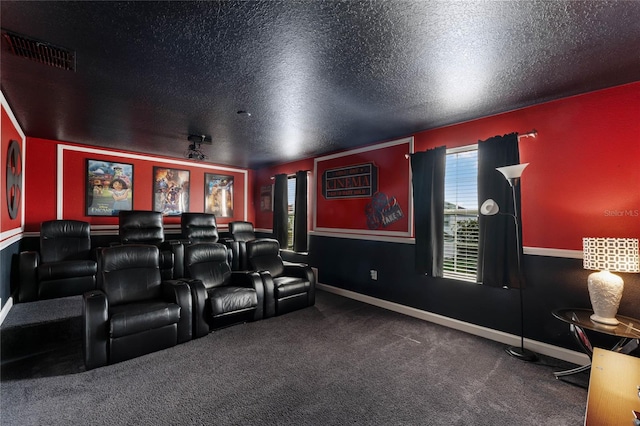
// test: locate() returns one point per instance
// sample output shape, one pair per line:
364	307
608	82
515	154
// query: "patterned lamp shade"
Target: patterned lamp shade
611	254
605	288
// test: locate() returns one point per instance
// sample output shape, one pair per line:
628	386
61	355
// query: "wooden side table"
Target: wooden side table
613	389
628	330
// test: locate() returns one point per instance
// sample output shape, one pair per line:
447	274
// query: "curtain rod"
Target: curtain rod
308	171
532	134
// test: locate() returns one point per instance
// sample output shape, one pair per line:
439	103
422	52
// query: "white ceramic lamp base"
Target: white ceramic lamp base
605	292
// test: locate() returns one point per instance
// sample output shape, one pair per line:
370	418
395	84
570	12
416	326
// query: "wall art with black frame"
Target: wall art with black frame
109	187
218	195
170	191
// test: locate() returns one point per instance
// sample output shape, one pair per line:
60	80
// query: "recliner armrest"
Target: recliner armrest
198	304
235	257
28	262
304	271
179	292
95	335
300	270
177	249
269	294
251	279
229	243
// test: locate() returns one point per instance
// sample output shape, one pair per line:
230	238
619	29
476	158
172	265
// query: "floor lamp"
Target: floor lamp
489	208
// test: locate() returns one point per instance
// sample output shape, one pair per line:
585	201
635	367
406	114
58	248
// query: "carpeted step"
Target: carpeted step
38	327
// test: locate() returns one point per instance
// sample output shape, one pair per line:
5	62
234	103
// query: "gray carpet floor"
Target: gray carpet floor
336	363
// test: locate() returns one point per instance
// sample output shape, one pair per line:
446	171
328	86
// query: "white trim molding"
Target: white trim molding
12	237
344	233
335	233
551	252
5	309
477	330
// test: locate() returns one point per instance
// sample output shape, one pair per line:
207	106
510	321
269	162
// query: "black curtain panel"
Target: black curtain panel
300	218
280	210
498	250
428	203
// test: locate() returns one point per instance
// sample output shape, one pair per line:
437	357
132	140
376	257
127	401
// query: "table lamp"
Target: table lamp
605	289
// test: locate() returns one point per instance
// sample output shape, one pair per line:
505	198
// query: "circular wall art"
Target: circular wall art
13	178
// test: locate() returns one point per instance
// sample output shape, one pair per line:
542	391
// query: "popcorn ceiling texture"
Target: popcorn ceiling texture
316	76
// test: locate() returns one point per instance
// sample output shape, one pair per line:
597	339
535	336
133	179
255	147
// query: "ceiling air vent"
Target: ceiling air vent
40	51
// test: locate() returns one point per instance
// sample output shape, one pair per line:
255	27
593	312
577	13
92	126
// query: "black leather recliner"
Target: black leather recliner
241	232
133	311
63	266
287	286
199	227
221	297
146	227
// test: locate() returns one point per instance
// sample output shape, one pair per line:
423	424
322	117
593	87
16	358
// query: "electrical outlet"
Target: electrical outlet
374	274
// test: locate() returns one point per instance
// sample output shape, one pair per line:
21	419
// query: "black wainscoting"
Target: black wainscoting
552	283
8	271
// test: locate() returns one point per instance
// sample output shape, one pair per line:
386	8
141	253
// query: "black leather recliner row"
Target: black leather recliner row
144	294
222	297
286	287
133	311
66	266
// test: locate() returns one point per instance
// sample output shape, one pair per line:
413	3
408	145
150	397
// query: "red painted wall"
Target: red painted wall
584	173
351	213
42	189
9	133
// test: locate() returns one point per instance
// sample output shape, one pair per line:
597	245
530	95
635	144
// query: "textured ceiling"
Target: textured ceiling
316	76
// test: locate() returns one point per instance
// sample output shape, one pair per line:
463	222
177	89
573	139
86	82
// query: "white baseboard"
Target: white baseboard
5	309
485	332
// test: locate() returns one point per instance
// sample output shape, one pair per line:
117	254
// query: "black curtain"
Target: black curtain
428	205
300	218
498	250
280	210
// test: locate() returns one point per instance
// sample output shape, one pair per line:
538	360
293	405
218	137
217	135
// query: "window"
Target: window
291	209
461	214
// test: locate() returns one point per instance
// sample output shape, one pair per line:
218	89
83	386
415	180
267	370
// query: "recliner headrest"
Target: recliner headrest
199	227
242	231
205	252
132	256
263	247
138	226
64	240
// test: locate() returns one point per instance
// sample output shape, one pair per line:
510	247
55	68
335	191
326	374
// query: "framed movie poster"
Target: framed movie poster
170	191
218	195
266	198
109	188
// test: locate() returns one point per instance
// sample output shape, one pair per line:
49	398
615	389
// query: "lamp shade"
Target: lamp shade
605	288
489	208
512	172
611	254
